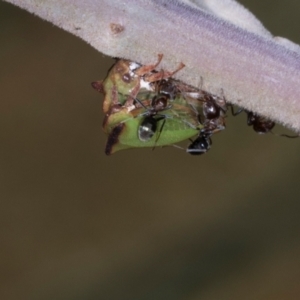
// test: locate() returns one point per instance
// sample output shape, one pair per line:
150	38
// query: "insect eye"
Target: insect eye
147	129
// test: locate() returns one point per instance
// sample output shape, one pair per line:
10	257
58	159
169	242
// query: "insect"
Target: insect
156	120
259	123
211	114
144	107
200	145
210	107
214	110
148	126
263	125
166	93
126	79
135	130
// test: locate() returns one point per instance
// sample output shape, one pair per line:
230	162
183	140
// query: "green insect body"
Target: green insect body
129	89
175	124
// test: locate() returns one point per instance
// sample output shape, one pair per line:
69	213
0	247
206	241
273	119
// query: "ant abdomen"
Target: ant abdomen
200	145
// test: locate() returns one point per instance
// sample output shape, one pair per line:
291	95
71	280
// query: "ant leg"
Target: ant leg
178	147
290	136
140	103
161	129
286	135
235	113
221	102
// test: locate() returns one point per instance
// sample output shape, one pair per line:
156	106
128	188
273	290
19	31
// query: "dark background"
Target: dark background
141	224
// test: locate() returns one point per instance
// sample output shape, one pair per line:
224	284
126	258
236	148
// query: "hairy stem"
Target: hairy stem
225	48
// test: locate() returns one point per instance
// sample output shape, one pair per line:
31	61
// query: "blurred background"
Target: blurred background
140	224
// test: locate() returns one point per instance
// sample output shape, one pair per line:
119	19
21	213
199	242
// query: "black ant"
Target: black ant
148	126
166	91
260	124
214	113
201	144
214	109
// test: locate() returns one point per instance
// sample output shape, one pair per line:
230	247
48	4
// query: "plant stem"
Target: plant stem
225	48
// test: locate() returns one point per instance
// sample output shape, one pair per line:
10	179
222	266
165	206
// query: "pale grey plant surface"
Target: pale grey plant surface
225	48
